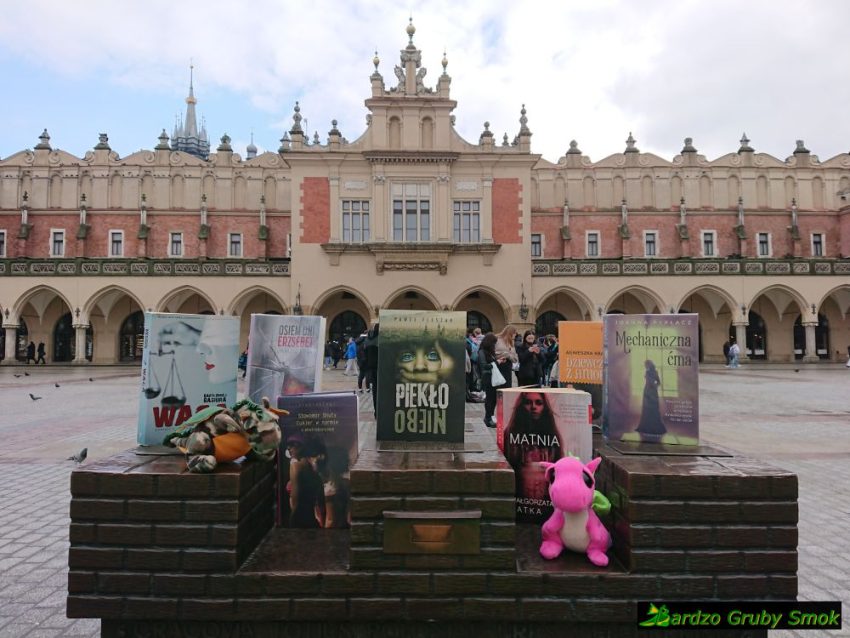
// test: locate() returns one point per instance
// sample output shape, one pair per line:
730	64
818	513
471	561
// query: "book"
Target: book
189	362
541	424
284	355
421	376
651	378
580	359
318	447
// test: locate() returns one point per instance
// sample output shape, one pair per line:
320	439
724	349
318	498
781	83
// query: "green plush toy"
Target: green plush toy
218	434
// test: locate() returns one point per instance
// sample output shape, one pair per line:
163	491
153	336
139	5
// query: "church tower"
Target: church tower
187	137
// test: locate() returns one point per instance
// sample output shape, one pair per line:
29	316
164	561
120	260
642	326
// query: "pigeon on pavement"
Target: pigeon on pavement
56	384
80	456
18	376
33	397
26	374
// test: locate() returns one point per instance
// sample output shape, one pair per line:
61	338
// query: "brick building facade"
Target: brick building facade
410	215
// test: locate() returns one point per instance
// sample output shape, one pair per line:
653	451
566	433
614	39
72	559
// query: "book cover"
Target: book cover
317	449
651	389
189	362
421	376
541	424
284	355
580	359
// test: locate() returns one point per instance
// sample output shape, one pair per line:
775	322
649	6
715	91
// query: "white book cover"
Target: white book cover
189	362
285	355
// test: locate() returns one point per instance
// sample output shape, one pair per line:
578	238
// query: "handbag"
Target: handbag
496	378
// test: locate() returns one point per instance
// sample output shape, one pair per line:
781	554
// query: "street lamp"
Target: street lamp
523	308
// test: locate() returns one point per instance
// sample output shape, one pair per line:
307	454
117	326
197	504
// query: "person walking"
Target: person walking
734	353
336	352
329	354
360	344
506	353
41	353
31	353
486	357
726	347
350	358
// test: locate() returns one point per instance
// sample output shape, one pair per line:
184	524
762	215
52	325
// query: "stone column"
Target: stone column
80	344
11	342
741	339
811	354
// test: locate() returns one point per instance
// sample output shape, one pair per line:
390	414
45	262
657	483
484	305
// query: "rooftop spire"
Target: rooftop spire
191	126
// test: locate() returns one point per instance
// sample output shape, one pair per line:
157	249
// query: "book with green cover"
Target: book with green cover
421	376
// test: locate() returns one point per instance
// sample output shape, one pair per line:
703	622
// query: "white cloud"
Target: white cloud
593	72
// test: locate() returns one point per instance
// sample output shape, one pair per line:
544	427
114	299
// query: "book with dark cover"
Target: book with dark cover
541	424
580	359
421	376
318	447
651	389
284	355
189	362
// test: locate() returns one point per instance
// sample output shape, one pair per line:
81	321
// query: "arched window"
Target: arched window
131	337
475	319
547	323
347	324
65	343
821	337
21	339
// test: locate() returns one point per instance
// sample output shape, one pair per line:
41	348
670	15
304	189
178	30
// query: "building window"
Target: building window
708	243
116	243
467	222
650	243
817	245
2	243
175	246
234	245
355	221
411	212
57	243
536	245
764	244
592	243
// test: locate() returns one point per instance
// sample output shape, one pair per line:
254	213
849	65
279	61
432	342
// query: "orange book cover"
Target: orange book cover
580	359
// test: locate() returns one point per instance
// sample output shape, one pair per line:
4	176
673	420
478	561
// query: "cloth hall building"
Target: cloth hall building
411	215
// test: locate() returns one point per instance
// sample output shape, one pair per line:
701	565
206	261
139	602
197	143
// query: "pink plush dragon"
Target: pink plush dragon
574	524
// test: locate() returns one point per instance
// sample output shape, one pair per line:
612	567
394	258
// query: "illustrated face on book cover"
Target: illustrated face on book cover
534	404
418	363
219	347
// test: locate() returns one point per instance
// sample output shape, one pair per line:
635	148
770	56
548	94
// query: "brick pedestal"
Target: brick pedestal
155	551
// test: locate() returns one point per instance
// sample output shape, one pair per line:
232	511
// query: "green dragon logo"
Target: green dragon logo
657	617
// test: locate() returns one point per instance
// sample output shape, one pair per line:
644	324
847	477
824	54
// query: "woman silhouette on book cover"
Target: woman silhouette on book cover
651	427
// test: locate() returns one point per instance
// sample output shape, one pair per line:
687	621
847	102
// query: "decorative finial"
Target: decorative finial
574	149
296	118
486	132
523	122
411	30
163	142
689	146
334	130
376	60
103	143
745	145
44	141
316	138
505	140
445	61
630	144
225	143
801	147
284	143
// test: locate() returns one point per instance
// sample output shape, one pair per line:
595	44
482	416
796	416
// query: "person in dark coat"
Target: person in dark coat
486	358
40	352
370	349
360	351
530	360
31	352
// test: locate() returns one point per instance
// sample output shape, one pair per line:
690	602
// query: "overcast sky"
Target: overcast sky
587	70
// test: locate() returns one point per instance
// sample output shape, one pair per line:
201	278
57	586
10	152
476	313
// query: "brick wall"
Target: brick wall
507	211
315	210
